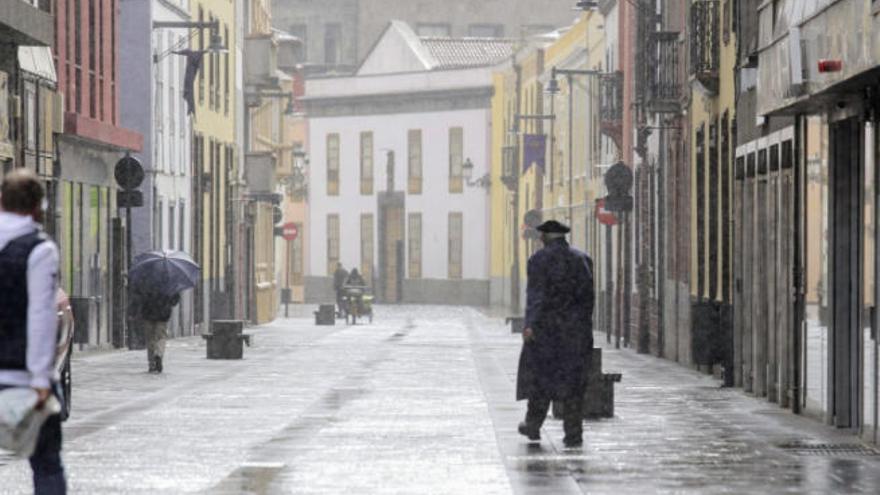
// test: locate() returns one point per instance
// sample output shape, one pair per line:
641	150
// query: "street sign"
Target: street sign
129	199
129	173
604	216
289	231
619	203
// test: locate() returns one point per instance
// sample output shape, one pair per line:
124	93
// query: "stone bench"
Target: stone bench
226	339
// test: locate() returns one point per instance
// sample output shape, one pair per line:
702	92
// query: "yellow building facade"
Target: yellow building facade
215	156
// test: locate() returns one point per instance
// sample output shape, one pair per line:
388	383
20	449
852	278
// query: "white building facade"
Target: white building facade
152	103
388	190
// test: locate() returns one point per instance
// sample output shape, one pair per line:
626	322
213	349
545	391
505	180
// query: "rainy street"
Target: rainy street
421	401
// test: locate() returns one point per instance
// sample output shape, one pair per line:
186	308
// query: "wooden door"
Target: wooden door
393	235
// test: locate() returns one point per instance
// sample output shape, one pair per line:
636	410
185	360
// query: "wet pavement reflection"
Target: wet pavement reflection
420	402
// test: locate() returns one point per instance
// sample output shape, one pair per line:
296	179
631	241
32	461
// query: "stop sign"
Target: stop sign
289	231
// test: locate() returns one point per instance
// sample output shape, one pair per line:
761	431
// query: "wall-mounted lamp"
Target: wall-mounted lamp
467	170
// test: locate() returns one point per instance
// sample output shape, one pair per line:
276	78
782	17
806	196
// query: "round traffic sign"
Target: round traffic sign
129	173
289	231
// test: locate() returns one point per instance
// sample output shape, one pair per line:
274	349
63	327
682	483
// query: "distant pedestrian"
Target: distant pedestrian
558	334
154	312
339	278
28	317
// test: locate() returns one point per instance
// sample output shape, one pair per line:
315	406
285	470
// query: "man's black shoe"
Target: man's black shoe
533	434
158	365
573	442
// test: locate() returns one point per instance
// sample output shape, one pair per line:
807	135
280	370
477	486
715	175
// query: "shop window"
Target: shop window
415	245
332	243
367	247
456	225
333	164
414	161
456	159
366	163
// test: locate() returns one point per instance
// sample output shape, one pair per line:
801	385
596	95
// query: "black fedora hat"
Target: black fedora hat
553	227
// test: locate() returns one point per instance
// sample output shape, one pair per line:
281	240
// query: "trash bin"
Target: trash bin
85	316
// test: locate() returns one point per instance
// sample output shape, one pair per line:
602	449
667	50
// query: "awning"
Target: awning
37	60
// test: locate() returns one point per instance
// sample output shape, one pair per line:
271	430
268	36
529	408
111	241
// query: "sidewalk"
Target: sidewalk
675	431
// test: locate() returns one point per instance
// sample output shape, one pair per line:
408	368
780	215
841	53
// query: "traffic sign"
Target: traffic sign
129	199
604	216
289	231
129	173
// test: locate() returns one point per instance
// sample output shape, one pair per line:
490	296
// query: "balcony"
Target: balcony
261	61
611	108
260	172
705	43
27	22
663	72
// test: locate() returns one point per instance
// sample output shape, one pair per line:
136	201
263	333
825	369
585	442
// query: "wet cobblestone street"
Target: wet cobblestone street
419	402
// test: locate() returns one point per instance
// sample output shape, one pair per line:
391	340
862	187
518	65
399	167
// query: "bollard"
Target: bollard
226	340
517	323
326	315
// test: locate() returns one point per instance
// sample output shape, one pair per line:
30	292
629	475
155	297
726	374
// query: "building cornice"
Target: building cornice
402	102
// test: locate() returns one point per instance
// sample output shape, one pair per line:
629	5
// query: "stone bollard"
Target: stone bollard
517	323
598	390
226	340
326	315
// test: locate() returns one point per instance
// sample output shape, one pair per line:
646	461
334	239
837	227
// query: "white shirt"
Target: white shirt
42	316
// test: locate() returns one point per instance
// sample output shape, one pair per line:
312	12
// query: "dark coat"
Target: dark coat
559	310
156	307
339	278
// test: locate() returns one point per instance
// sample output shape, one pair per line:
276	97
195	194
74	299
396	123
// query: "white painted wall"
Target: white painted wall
435	203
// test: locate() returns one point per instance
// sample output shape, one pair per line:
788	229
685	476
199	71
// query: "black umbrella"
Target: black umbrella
164	273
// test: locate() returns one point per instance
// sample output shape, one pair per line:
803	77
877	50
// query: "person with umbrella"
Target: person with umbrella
558	333
156	280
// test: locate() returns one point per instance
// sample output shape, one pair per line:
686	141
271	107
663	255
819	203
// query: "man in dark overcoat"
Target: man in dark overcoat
558	334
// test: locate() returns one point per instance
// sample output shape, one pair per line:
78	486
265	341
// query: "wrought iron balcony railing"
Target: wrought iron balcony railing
705	41
663	72
612	105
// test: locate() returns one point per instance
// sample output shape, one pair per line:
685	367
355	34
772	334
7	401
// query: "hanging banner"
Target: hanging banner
534	151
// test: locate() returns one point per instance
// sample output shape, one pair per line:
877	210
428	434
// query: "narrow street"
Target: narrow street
419	402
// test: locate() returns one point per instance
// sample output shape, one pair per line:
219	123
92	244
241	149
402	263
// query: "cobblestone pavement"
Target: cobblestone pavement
419	402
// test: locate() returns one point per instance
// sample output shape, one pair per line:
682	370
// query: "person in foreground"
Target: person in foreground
558	334
28	318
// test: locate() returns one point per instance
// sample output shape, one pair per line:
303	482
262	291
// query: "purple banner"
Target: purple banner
534	151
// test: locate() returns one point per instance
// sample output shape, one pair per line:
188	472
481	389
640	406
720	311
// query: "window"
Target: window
332	44
367	247
415	245
301	50
296	271
226	71
201	36
333	164
366	163
434	30
456	158
414	160
701	210
172	230
486	30
332	243
456	224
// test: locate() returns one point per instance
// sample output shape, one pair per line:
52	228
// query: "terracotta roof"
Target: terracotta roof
460	53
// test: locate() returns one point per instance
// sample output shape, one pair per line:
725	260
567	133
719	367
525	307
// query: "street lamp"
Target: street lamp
467	170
